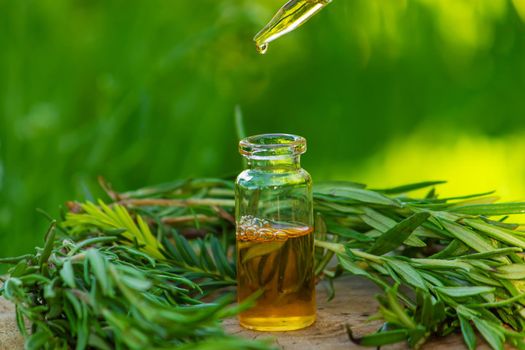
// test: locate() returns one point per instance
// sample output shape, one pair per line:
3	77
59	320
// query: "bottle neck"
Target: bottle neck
284	163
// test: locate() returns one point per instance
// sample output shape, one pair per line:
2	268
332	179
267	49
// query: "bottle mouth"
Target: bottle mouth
272	146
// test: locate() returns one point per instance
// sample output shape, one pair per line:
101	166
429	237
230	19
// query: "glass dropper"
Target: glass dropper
292	15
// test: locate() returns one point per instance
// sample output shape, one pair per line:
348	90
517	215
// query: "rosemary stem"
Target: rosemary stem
326	259
366	256
334	247
173	220
190	202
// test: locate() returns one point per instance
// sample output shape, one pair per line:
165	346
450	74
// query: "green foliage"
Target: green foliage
106	280
210	260
467	274
398	234
108	219
426	320
97	293
145	93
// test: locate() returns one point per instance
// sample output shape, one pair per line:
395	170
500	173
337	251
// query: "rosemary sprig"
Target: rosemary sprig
111	296
465	269
126	268
109	283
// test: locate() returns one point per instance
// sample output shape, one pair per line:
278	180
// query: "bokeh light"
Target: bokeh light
386	92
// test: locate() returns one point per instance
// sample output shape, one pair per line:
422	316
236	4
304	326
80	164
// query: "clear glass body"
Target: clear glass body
275	244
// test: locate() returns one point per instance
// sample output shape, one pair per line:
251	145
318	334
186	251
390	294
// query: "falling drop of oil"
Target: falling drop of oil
261	48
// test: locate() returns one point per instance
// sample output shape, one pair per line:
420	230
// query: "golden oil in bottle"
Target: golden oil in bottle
293	14
278	259
275	243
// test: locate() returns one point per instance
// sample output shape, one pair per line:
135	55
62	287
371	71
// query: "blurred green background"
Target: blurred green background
142	92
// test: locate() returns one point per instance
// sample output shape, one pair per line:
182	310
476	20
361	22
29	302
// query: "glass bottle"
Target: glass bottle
275	243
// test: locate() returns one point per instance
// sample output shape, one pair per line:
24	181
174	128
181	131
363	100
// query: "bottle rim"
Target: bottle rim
272	146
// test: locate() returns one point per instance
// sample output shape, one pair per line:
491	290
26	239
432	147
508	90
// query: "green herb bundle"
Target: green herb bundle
458	268
154	269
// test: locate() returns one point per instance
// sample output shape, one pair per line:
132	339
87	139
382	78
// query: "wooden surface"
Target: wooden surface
353	304
10	338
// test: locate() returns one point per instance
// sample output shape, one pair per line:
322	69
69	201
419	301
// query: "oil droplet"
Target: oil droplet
261	48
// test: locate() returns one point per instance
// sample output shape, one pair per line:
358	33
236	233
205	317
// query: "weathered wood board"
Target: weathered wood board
10	338
353	304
